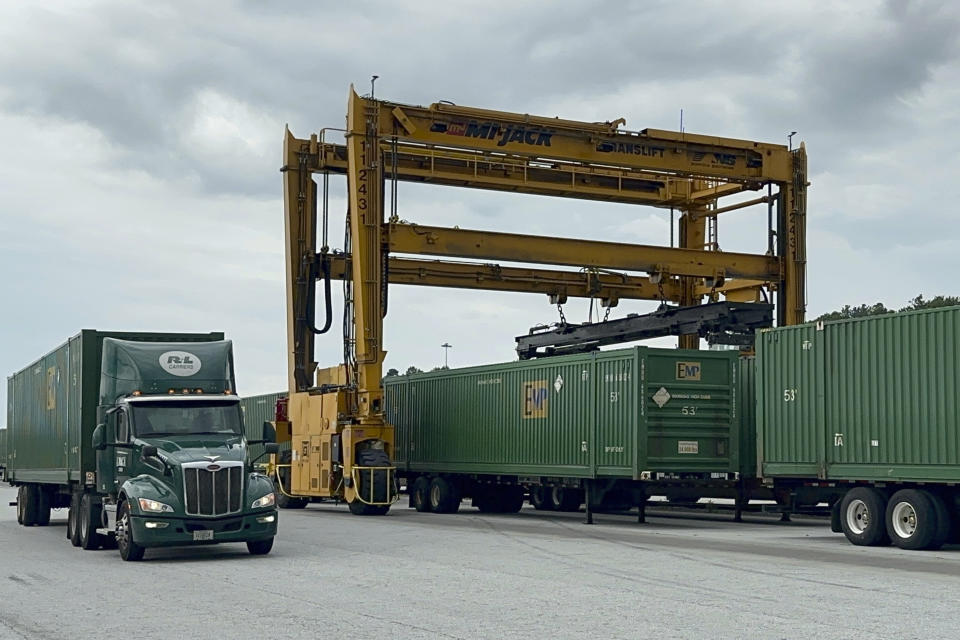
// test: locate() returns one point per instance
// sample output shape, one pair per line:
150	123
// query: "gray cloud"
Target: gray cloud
141	147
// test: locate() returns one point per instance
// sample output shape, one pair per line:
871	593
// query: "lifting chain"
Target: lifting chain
563	318
606	315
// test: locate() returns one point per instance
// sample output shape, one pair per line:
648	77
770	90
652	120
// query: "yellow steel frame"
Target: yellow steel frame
477	148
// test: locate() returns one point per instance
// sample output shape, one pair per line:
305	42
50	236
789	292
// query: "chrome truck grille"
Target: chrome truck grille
212	489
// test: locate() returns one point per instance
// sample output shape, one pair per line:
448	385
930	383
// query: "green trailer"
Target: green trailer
608	428
140	436
866	414
3	453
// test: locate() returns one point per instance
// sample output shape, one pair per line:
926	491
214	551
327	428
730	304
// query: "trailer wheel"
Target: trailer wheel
862	519
260	547
912	519
420	494
26	505
444	496
130	551
487	500
89	520
540	498
944	521
565	499
511	499
73	519
42	508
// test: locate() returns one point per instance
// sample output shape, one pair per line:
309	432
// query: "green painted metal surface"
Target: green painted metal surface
3	449
52	407
257	410
614	413
869	399
747	411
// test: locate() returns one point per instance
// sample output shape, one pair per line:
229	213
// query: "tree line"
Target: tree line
876	309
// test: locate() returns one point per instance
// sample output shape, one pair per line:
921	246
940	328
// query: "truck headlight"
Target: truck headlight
265	501
152	506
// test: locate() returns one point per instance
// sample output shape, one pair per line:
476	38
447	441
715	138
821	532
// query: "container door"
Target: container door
617	414
790	388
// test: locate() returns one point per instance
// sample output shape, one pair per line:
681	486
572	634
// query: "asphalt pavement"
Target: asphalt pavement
468	575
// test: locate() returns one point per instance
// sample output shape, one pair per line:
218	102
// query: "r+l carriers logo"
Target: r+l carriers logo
533	136
535	399
180	363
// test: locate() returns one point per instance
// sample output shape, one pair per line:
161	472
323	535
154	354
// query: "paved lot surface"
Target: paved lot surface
530	575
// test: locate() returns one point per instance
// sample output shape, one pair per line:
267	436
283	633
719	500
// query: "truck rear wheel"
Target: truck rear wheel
420	494
444	496
27	505
130	551
565	499
862	519
540	498
944	521
73	519
511	499
260	547
88	521
912	519
42	509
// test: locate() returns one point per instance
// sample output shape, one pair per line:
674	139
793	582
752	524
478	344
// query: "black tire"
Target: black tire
835	518
73	519
130	551
89	520
42	508
420	494
487	500
912	521
862	519
358	508
511	499
283	480
444	496
566	499
381	490
27	504
260	547
540	498
944	521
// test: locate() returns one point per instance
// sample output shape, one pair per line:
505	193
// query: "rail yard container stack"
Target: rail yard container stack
867	409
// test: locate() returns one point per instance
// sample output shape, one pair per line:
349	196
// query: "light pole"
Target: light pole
446	350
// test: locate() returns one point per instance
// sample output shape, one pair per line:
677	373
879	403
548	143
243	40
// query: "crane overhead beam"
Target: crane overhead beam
500	172
487	245
493	277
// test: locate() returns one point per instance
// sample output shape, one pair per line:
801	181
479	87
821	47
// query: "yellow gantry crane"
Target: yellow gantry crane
341	447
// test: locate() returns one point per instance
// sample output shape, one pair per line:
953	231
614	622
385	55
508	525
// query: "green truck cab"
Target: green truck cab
164	462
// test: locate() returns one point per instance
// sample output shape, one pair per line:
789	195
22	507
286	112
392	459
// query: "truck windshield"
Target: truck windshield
186	418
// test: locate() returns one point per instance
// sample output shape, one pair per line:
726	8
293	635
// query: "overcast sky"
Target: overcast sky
141	141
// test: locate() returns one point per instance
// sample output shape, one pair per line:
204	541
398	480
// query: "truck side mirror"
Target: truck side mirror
98	442
269	432
272	448
148	451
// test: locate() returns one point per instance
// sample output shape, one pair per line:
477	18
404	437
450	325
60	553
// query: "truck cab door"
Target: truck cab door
122	455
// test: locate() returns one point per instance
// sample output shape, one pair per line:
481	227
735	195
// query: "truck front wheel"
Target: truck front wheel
260	547
130	551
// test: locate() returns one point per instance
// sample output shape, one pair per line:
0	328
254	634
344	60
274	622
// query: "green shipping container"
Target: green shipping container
3	452
747	412
615	413
256	411
872	399
52	407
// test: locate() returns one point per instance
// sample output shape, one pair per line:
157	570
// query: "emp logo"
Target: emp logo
688	371
535	399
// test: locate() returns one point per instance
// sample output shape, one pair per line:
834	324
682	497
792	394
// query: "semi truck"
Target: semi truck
140	436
